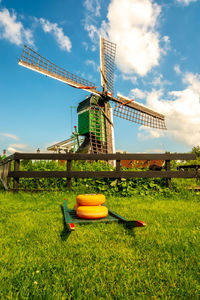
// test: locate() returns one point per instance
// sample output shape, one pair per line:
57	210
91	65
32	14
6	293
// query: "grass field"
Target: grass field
39	261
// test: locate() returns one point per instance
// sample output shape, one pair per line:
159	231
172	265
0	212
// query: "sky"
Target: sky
157	64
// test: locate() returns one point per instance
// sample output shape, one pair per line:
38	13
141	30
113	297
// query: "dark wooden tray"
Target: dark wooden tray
71	219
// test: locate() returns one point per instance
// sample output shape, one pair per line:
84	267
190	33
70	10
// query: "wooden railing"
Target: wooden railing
5	168
16	174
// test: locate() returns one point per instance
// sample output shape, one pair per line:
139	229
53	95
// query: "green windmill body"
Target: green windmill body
93	125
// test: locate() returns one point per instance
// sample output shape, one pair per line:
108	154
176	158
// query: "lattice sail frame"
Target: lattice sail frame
138	117
133	112
34	61
137	113
107	56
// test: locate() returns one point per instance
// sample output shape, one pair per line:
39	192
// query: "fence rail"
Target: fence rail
16	174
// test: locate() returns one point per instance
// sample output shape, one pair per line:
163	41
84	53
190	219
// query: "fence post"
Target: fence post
168	168
3	175
9	169
16	168
69	180
118	167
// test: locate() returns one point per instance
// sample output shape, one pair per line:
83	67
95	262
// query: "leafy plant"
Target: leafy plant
123	186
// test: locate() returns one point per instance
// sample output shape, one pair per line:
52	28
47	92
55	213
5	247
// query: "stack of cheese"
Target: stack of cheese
89	206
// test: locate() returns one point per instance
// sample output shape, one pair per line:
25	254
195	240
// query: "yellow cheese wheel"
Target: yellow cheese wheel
90	199
92	212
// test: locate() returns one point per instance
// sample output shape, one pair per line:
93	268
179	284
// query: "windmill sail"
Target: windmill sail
97	121
129	110
107	56
137	113
34	61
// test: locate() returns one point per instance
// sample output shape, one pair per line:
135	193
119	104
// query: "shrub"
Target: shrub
123	186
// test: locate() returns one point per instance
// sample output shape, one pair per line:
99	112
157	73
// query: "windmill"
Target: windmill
95	113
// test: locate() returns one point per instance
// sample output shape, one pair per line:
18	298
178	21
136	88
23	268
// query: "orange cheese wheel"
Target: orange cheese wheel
92	212
90	199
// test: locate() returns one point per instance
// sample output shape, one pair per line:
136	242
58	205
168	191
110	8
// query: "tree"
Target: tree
196	151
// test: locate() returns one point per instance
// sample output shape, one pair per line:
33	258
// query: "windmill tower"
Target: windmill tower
95	114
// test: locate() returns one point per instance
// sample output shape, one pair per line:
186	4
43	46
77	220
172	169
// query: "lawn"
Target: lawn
38	260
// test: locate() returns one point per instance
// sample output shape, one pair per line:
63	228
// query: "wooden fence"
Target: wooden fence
6	173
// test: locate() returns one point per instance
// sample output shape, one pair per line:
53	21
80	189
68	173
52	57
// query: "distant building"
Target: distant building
69	145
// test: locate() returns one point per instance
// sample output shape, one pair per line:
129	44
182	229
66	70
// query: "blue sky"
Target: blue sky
157	64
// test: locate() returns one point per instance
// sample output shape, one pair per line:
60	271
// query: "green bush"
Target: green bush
122	187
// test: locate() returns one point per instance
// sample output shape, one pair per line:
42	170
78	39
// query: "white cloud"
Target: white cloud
186	2
85	45
92	13
9	135
166	46
93	6
177	69
159	81
182	111
20	146
130	77
90	62
88	76
137	93
13	30
12	150
193	80
132	24
93	32
149	133
154	151
63	41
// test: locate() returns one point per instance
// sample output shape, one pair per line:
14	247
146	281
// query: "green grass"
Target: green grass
39	261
